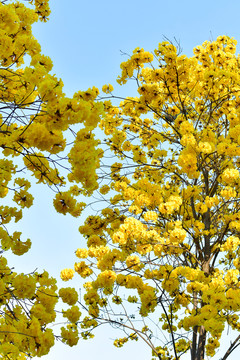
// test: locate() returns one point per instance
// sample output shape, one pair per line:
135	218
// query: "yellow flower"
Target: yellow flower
67	274
230	175
107	88
104	189
228	192
68	295
133	262
73	314
231	244
82	269
82	253
150	216
204	147
70	335
106	278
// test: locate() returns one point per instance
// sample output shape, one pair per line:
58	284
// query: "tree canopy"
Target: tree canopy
161	260
162	257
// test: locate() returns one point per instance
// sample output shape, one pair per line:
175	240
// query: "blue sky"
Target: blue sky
84	40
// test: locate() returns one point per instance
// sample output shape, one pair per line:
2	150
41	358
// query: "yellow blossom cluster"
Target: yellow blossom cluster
35	121
24	329
67	274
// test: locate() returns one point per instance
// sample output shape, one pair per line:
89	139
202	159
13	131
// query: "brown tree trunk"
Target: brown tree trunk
194	344
198	347
201	344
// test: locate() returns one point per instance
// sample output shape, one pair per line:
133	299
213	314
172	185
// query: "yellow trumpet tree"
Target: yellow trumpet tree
37	123
162	256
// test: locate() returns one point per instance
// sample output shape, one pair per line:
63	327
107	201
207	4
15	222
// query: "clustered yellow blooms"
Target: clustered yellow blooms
70	334
120	342
168	238
36	123
40	133
24	329
67	274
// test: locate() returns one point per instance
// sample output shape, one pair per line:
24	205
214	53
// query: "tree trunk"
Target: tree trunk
201	344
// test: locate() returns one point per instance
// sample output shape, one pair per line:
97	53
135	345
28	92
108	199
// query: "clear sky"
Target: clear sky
85	39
